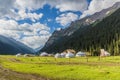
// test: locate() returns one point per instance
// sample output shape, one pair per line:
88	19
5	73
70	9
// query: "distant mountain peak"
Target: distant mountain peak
11	46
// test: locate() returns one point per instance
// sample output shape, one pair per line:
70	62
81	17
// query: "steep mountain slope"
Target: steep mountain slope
11	46
105	34
101	34
58	35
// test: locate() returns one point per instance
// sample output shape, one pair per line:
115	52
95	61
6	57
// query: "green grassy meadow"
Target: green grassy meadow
107	68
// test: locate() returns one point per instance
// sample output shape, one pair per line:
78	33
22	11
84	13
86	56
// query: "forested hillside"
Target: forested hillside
104	34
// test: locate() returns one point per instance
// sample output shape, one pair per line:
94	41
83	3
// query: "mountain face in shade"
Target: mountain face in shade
58	40
11	46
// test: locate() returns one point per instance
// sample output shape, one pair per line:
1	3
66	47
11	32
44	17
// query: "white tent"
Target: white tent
80	54
107	53
69	55
57	55
44	54
29	55
104	53
18	55
50	55
63	55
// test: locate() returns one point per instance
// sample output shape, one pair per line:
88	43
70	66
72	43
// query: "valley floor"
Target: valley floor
6	74
49	68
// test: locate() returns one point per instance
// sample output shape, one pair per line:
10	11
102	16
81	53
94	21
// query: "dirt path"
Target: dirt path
6	74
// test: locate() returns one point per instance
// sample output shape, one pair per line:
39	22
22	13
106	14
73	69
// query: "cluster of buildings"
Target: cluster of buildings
25	55
69	53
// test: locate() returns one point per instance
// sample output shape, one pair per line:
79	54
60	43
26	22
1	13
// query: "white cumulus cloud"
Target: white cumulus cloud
32	16
63	5
72	5
65	19
6	8
35	41
98	5
34	35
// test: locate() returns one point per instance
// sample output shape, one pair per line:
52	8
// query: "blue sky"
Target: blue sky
49	17
32	22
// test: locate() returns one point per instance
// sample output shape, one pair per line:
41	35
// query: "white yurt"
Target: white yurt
63	54
104	53
18	55
44	54
69	55
70	50
80	54
51	55
57	55
28	55
107	53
